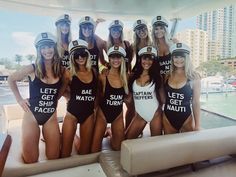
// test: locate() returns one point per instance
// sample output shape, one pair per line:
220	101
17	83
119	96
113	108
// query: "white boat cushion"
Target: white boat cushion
151	154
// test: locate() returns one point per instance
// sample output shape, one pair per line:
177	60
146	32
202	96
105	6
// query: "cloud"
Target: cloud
24	43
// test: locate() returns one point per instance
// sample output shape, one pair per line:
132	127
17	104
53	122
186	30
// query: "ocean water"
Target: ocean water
221	103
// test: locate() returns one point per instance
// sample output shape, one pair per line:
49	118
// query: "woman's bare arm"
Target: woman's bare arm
18	76
196	103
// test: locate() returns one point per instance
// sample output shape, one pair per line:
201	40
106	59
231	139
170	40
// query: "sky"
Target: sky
18	31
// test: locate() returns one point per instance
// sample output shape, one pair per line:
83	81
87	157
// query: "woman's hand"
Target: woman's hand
24	103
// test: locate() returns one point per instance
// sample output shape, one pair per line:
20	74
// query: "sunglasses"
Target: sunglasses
116	29
89	27
141	29
82	54
148	56
115	55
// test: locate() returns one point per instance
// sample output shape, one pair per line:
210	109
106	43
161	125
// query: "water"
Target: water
211	120
218	102
221	103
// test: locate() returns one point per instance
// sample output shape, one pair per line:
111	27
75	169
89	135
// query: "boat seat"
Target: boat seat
14	112
15	167
137	157
158	153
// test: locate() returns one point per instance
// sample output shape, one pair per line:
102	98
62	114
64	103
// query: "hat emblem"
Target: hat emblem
149	49
44	35
116	47
66	16
116	22
179	45
158	17
87	18
75	43
139	22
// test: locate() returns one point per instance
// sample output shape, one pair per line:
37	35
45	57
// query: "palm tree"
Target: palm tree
18	58
30	57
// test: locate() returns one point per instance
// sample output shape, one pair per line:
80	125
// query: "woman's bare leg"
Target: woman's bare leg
118	132
136	127
156	124
51	133
86	135
99	130
68	132
30	138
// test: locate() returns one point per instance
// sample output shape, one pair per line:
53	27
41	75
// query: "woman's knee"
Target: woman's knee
53	155
83	151
116	146
30	157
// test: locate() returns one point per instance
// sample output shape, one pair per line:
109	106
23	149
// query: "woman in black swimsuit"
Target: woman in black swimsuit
182	92
63	25
81	105
114	87
45	80
96	45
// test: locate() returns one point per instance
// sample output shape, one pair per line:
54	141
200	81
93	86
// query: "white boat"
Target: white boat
215	84
205	153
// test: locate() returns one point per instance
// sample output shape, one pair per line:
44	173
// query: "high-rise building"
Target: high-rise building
197	40
220	25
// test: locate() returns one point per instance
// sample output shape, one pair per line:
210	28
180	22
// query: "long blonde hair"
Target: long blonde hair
190	73
137	41
40	70
155	40
123	75
110	41
74	67
60	49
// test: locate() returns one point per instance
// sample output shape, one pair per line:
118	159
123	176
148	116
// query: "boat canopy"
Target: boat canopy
110	9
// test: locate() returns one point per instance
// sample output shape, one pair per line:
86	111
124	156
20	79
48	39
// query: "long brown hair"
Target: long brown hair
60	49
40	70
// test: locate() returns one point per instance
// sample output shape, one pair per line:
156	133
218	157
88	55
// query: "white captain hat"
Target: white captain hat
115	23
148	50
116	50
63	18
43	38
159	20
179	47
77	44
139	23
87	20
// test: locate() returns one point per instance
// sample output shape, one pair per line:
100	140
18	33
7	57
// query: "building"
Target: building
220	25
229	62
197	40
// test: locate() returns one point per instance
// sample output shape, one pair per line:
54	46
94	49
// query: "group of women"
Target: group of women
161	89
